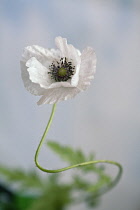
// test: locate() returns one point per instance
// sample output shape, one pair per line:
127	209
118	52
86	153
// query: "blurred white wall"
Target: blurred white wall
106	117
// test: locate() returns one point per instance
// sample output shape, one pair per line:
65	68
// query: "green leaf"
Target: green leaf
75	156
23	202
25	179
67	153
56	196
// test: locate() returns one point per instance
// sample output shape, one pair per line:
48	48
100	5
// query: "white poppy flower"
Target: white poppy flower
57	74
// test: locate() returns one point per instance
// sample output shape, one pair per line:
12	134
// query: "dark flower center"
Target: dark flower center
62	70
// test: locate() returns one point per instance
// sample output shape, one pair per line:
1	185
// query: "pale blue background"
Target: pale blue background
104	119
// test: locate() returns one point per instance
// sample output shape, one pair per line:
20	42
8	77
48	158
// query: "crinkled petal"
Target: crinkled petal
44	56
87	68
67	50
62	45
55	95
60	84
75	77
35	67
38	73
33	88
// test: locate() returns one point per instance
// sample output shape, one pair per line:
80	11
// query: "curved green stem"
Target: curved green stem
109	186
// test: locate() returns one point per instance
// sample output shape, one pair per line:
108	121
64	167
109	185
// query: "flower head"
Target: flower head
57	74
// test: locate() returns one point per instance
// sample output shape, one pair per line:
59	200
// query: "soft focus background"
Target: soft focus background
105	119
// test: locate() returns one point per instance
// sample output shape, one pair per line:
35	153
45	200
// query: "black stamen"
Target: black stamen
62	71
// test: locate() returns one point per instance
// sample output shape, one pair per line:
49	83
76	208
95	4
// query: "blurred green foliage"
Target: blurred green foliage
32	192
